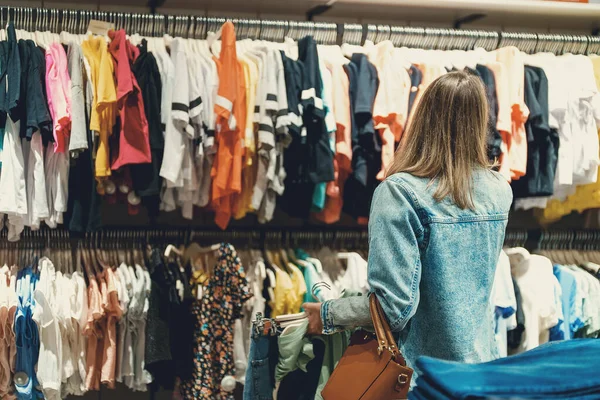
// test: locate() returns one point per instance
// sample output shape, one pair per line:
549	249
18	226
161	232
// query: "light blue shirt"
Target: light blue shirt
573	320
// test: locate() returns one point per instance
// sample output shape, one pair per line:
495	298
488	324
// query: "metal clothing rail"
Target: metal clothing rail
327	236
76	21
127	236
579	240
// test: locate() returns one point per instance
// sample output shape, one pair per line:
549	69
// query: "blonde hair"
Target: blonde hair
446	139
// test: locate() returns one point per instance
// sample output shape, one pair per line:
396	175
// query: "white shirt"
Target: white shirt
504	304
539	288
49	366
33	154
13	201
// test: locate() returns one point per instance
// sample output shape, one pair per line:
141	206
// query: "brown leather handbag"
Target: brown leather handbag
372	368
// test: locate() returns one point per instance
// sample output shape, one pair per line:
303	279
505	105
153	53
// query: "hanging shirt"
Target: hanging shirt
58	89
146	177
8	308
83	208
538	285
366	144
49	367
104	109
512	60
231	117
13	202
33	106
494	140
78	139
133	145
572	305
542	141
26	334
92	331
224	294
12	179
504	304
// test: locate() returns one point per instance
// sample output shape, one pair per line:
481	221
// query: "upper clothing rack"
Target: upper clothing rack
77	21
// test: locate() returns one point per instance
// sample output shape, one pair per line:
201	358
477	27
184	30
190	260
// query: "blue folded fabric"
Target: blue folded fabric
556	370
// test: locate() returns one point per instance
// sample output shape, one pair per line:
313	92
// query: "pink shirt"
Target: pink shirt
58	90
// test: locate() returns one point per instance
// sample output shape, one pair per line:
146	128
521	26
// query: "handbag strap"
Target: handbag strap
385	339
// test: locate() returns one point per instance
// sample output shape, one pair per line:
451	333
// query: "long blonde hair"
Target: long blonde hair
446	139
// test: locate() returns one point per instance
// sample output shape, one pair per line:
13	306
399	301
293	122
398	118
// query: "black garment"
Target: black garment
10	75
542	141
169	327
366	143
514	336
299	187
293	86
494	140
320	156
416	76
84	203
300	385
32	108
146	177
158	357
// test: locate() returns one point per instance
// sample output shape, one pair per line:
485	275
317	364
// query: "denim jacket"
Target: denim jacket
431	265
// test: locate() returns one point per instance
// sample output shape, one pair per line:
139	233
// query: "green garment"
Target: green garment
295	350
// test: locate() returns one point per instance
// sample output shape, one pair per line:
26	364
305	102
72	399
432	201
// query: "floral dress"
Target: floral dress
214	316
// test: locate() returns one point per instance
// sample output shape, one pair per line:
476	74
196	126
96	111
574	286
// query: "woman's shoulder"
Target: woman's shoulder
491	192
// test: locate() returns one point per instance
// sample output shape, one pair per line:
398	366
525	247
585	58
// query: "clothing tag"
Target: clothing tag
100	27
199	292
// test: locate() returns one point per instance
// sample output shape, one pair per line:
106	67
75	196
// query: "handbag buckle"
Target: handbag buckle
402	379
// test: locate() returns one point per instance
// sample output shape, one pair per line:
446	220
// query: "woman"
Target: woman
436	230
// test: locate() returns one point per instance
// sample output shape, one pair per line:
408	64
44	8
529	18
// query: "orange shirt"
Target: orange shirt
110	303
93	333
231	119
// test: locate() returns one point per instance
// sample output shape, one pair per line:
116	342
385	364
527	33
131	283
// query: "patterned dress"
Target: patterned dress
214	316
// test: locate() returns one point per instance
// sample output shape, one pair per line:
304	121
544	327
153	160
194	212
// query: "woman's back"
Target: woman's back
448	296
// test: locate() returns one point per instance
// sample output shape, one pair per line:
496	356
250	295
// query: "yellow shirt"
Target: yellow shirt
298	291
283	298
103	117
250	168
585	196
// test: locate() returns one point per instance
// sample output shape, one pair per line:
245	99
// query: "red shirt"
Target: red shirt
133	144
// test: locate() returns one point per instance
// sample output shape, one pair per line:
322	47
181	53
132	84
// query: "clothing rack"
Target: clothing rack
124	236
77	21
586	240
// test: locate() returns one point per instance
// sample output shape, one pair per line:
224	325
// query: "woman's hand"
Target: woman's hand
313	313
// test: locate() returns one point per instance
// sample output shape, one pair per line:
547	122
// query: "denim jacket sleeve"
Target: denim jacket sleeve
396	236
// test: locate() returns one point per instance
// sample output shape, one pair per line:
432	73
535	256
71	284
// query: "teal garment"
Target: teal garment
311	277
295	350
320	191
319	195
1	144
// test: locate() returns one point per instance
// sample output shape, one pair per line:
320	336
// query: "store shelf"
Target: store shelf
532	15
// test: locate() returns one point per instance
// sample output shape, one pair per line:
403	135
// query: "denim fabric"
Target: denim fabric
556	370
260	375
432	266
